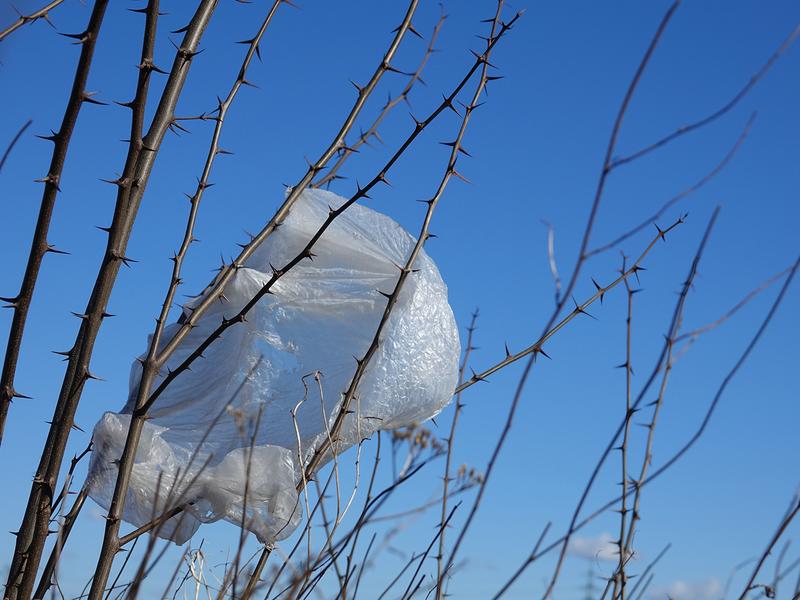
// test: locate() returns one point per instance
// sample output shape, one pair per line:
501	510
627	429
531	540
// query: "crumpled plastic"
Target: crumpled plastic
229	439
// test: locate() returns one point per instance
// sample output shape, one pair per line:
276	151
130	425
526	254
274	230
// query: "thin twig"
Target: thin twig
14	141
781	529
681	131
227	272
42	13
448	460
372	130
646	223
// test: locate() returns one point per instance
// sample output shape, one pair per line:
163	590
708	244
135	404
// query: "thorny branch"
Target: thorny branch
52	185
407	269
228	271
391	103
42	13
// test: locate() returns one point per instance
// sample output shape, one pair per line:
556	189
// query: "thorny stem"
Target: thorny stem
534	350
405	271
46	580
448	460
150	365
27	551
620	579
702	427
372	130
668	364
42	13
226	274
52	185
139	164
676	318
781	529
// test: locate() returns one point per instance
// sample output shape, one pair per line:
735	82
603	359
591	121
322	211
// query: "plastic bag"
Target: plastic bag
255	387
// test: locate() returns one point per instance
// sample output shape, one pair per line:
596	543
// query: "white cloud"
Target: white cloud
601	547
688	590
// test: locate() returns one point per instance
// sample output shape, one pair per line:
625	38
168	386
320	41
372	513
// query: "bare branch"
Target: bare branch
681	131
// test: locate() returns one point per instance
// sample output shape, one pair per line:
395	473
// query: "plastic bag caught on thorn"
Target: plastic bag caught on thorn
249	415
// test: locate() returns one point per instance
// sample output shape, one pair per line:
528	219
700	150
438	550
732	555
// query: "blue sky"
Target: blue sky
537	148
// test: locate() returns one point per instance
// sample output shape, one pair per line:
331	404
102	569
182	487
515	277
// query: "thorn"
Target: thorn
80	37
414	31
50	138
125	260
599	289
53	250
88	97
460	176
9	302
578	309
508	352
476	377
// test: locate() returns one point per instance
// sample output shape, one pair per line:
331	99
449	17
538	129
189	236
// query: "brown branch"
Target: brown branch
677	198
23	553
42	13
46	580
785	522
673	331
450	438
149	368
703	424
695	333
534	350
620	578
405	271
141	154
39	245
215	289
681	131
372	130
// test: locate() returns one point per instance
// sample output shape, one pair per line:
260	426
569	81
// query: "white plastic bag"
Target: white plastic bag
242	394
